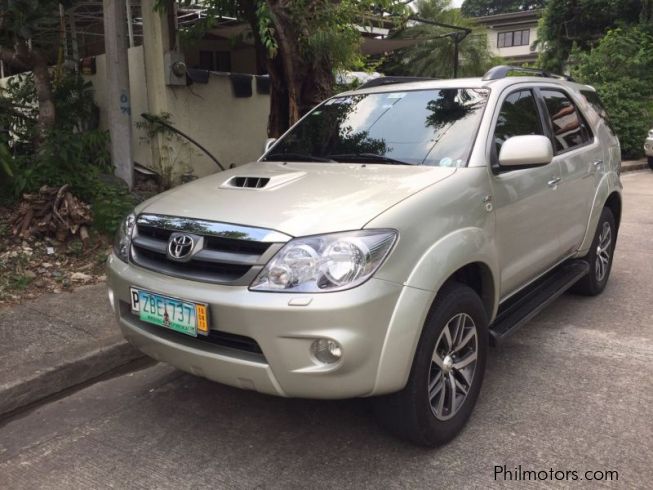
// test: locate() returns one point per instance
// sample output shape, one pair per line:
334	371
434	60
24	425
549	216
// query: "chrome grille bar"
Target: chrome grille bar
231	254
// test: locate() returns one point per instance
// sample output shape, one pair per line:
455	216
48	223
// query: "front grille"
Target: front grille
228	254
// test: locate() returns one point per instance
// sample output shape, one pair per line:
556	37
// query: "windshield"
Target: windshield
422	127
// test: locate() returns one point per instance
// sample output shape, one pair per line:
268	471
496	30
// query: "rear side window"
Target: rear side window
594	100
569	128
519	116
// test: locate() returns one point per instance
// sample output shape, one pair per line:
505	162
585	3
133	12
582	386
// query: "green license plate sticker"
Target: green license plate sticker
171	313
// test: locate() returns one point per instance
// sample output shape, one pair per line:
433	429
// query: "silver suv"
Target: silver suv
380	245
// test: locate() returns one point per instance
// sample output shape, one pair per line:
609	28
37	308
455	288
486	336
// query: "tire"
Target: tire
414	414
650	163
599	257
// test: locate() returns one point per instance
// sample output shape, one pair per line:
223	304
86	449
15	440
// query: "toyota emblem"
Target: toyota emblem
181	246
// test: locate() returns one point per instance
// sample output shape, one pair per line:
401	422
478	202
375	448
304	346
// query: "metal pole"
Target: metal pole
130	24
455	55
73	37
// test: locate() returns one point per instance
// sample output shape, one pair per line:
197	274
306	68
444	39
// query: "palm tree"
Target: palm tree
434	57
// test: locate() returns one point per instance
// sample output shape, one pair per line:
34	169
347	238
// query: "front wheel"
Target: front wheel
599	257
447	371
650	163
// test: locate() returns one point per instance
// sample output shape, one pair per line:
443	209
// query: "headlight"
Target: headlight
326	262
123	239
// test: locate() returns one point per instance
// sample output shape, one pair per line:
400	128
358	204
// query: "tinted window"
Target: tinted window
519	116
594	100
421	127
569	128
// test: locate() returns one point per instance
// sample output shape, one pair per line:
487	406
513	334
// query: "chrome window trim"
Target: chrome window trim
212	228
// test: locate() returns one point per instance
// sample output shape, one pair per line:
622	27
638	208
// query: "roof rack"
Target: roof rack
502	71
378	82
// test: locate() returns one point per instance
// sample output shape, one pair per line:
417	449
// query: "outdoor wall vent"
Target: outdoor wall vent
248	182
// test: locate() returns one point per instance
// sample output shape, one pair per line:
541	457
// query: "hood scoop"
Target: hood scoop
248	182
260	181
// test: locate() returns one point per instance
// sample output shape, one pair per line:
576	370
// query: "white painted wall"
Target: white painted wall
233	129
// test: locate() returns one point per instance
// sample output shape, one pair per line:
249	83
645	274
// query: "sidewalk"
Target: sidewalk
631	165
56	342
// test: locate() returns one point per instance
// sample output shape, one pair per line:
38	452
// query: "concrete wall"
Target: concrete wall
233	129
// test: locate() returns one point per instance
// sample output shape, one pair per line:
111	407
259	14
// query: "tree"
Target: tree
480	8
434	56
566	23
300	44
28	31
620	67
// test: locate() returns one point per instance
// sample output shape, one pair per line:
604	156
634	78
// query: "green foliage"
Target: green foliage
566	23
110	202
36	20
71	153
434	56
266	29
620	67
480	8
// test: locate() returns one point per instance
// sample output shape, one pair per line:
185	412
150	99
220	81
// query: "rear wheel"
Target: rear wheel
599	257
447	371
650	163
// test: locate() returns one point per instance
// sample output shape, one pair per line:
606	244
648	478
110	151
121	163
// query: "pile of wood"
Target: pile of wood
52	212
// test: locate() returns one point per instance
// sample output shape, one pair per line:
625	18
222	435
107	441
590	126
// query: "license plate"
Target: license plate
181	316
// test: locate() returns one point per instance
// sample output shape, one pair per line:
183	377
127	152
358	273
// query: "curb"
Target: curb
631	167
27	391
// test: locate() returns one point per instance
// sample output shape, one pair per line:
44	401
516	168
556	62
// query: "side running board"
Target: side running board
522	308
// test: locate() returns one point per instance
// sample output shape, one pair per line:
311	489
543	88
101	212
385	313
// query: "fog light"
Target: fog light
112	300
326	350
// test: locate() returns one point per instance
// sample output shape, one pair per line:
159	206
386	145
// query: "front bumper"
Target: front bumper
648	147
363	320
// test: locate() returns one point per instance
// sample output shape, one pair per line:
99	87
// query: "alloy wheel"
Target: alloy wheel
603	252
452	366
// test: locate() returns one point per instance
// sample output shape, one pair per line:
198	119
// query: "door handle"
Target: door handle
597	163
553	182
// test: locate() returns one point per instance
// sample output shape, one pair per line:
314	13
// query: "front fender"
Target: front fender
439	262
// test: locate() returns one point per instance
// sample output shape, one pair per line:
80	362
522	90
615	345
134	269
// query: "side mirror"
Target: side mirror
268	144
525	151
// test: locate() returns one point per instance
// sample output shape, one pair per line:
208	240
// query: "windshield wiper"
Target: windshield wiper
367	157
297	157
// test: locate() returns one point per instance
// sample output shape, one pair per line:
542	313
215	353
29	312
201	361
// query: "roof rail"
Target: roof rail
502	71
378	82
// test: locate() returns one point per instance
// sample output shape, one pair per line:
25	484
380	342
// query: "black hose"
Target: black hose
157	120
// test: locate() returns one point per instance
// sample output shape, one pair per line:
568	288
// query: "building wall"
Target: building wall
514	51
233	129
243	57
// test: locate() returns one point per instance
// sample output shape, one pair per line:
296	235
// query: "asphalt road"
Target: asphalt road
572	391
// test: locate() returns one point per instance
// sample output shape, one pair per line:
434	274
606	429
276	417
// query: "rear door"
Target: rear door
525	200
580	158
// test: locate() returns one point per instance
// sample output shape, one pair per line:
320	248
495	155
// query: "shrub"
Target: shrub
620	67
111	202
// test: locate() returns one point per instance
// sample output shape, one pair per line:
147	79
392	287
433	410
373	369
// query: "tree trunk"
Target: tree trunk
33	59
296	83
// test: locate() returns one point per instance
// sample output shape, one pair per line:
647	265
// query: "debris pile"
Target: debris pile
52	212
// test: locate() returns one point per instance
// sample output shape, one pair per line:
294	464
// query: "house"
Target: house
511	35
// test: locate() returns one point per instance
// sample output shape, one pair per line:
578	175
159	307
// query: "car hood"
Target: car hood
297	198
